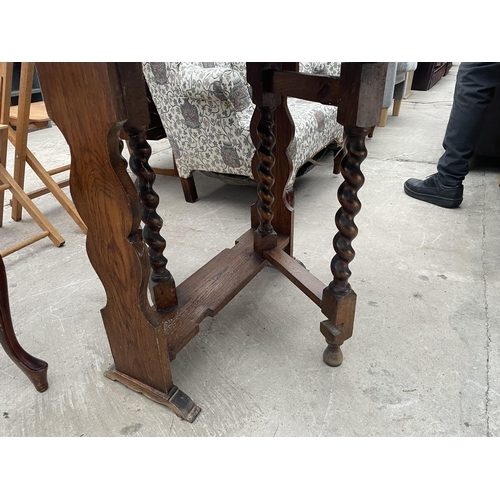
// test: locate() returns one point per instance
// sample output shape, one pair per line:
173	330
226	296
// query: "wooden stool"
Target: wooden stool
8	182
21	116
35	369
37	117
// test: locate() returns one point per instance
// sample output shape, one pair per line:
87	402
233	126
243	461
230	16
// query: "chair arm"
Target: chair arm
218	84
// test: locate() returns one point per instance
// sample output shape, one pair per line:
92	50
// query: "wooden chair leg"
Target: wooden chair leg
409	83
51	185
188	185
5	95
48	229
22	126
35	369
3	157
189	188
383	117
396	107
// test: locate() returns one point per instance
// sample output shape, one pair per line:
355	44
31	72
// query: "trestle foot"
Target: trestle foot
179	402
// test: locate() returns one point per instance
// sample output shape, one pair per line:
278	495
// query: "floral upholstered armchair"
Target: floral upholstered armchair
206	110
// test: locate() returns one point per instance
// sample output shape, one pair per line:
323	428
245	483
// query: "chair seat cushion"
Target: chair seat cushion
315	127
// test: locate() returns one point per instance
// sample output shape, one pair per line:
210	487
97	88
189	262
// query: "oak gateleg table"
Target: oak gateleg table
92	102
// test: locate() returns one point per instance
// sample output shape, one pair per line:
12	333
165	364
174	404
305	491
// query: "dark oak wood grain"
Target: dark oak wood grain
317	88
297	274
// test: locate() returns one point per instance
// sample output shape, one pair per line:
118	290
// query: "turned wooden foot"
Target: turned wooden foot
333	356
35	369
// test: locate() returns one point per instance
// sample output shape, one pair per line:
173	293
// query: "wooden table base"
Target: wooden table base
92	103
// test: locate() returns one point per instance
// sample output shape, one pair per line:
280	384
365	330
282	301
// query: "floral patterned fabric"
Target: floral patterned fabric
321	68
206	110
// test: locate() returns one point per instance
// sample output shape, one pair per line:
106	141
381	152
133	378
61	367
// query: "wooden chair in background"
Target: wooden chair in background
8	182
20	117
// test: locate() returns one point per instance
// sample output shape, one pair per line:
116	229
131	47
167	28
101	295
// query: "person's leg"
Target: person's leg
474	91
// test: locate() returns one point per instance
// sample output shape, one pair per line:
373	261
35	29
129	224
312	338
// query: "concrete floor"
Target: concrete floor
424	359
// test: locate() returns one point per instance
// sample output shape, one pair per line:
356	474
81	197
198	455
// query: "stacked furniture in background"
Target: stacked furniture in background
395	88
428	74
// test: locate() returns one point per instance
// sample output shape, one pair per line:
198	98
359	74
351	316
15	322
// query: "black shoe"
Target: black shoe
432	191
